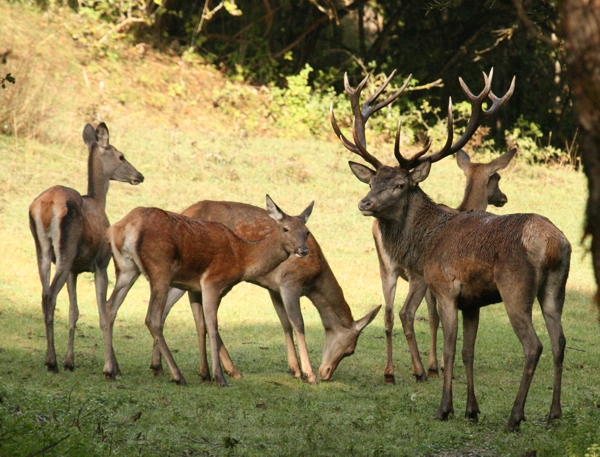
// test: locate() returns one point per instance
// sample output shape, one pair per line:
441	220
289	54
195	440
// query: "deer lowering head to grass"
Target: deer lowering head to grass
204	258
470	259
70	230
308	276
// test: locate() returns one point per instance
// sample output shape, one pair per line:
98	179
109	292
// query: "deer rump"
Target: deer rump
469	261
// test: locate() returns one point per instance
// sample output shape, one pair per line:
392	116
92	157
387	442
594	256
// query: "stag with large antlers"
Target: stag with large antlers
70	231
468	260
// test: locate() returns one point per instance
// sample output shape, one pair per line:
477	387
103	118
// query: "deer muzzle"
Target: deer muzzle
138	179
365	206
301	252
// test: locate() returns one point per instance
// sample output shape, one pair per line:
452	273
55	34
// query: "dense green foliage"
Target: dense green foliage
267	42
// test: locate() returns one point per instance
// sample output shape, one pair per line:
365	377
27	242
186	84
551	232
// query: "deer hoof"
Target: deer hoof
52	367
157	370
69	366
235	374
223	383
180	382
110	376
514	422
204	377
421	377
472	415
554	415
433	373
443	413
389	379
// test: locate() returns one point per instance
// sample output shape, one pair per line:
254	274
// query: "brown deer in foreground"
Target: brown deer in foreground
481	189
308	276
70	230
470	259
204	258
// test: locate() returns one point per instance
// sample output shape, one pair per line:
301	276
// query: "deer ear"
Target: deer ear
420	173
273	210
89	134
501	162
102	134
463	160
367	319
307	212
363	173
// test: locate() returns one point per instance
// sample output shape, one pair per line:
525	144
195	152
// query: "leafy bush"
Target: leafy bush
527	136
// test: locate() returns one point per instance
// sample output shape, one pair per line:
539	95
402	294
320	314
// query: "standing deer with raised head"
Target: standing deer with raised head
204	258
471	259
70	230
481	189
296	276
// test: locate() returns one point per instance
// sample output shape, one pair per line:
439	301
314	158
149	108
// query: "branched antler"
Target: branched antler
478	116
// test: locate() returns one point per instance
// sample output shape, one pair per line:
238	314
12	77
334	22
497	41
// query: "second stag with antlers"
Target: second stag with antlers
468	260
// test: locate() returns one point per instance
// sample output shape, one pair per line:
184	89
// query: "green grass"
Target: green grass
268	412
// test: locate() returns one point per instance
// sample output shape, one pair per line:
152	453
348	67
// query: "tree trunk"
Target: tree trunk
581	29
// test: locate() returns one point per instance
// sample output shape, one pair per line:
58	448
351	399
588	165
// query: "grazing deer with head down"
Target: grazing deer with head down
471	259
204	258
482	189
70	230
308	276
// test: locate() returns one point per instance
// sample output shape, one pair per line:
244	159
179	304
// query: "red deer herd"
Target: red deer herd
457	259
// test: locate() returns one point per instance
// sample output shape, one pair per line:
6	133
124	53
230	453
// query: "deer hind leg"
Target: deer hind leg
156	361
159	291
519	314
470	326
449	317
291	301
63	270
43	250
127	274
551	298
416	291
434	324
292	358
73	317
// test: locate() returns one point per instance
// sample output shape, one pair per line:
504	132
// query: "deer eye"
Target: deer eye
399	187
122	158
285	229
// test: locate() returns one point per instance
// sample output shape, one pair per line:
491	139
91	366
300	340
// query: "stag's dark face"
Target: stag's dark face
495	196
389	189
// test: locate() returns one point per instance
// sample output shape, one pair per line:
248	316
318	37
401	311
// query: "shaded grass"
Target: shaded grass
268	412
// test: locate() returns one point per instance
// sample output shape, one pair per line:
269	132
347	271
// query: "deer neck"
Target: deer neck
474	197
262	256
327	296
97	180
407	239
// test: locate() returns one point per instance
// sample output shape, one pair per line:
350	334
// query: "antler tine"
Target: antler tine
478	115
362	115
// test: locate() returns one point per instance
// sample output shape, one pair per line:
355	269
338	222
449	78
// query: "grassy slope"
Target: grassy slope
187	153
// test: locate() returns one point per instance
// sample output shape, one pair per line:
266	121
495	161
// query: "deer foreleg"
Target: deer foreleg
434	323
210	304
470	326
291	301
388	281
449	318
292	358
73	317
416	291
154	321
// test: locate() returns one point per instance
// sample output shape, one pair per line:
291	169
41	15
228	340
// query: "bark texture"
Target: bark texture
581	29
